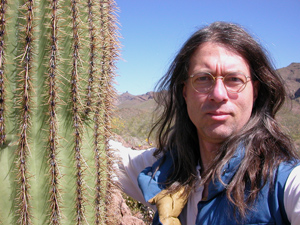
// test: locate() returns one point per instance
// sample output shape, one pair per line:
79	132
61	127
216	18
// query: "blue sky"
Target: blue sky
154	30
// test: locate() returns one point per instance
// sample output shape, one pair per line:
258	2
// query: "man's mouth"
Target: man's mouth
219	115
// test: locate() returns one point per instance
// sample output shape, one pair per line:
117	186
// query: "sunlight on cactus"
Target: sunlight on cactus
57	68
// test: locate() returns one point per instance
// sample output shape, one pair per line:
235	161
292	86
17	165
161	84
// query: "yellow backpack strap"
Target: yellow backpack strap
169	205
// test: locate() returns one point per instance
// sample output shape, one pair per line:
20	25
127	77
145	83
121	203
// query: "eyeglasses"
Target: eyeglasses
234	82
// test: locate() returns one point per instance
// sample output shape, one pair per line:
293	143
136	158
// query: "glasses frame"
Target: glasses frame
222	78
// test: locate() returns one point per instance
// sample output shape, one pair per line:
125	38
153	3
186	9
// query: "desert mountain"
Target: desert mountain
128	100
291	75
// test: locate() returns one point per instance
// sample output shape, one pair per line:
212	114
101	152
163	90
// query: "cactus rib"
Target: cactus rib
23	149
2	97
54	193
76	115
109	36
92	49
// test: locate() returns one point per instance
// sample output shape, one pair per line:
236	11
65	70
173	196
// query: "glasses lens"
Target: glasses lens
235	82
202	82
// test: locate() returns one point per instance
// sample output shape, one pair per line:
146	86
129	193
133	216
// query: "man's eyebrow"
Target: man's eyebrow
213	73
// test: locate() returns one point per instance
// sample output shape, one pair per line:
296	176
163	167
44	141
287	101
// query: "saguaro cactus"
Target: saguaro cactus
57	63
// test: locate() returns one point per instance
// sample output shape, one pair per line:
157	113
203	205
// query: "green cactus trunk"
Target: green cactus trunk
57	63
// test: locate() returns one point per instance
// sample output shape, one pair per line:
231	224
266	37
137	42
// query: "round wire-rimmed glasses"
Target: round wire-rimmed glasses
234	82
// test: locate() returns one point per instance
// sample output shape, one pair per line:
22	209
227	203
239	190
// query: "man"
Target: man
222	156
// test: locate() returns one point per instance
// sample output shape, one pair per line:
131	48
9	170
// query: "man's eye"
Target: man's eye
203	78
235	78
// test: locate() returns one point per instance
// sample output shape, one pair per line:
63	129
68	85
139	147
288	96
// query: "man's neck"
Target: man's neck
208	151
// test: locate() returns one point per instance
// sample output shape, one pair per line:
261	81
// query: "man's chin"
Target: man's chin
217	136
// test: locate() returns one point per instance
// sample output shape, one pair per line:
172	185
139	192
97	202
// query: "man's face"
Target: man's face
218	114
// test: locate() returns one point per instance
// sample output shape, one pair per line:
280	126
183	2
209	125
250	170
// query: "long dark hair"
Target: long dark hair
266	145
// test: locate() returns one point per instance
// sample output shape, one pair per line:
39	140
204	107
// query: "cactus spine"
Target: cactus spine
57	67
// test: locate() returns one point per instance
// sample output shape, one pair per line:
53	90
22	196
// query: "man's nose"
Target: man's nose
218	92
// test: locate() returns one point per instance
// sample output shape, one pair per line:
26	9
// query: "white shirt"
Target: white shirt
132	162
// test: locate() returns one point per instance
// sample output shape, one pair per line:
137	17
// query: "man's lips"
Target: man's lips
218	115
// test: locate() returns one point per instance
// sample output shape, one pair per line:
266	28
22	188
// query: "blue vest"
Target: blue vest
216	209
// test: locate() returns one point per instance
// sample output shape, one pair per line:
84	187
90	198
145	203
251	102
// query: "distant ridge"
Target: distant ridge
143	102
129	97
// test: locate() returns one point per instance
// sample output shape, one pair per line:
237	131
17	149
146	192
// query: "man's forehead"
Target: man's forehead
215	57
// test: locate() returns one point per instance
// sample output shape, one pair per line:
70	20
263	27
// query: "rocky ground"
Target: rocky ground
120	214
